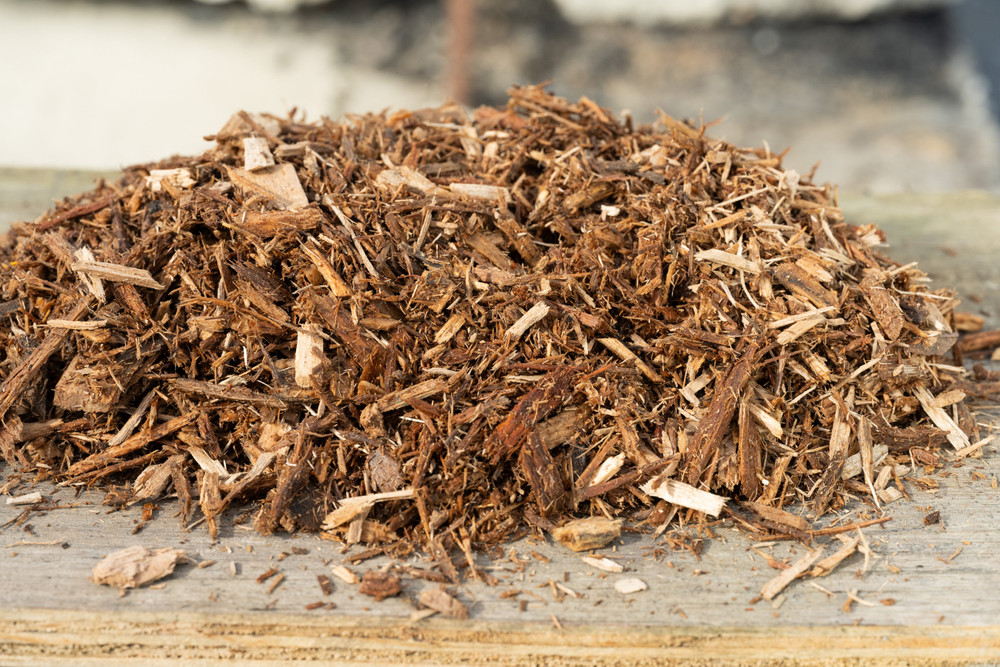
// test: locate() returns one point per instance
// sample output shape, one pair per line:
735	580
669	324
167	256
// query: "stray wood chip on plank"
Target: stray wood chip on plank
630	586
136	566
605	564
797	569
380	585
26	499
439	600
344	574
829	564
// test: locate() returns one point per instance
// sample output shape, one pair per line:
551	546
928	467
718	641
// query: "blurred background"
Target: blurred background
888	95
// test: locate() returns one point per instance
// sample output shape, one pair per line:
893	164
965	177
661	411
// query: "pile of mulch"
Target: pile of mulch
438	329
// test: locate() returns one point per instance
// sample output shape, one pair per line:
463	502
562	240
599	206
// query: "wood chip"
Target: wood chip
941	419
604	564
136	566
797	569
440	601
534	315
830	563
256	153
351	508
309	359
32	498
590	533
117	273
778	516
685	495
630	586
344	574
380	585
724	258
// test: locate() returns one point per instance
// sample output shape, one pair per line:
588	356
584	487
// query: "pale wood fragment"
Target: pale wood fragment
268	224
941	419
207	463
830	563
608	469
448	330
716	256
967	322
685	495
89	325
962	453
625	354
800	283
309	358
630	586
344	574
93	283
590	533
797	569
279	184
799	329
178	178
256	154
950	397
490	193
855	465
885	308
117	273
350	508
338	287
531	317
153	481
133	421
766	419
32	498
603	563
136	566
791	319
400	398
406	176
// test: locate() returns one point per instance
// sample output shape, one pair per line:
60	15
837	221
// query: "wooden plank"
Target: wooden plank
713	591
170	639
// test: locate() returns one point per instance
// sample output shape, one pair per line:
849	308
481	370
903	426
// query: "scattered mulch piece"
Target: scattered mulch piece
439	600
136	566
380	585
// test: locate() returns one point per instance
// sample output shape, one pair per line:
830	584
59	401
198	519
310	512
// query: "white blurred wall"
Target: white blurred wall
103	85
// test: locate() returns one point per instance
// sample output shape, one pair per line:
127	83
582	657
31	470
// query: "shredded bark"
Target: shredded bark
437	329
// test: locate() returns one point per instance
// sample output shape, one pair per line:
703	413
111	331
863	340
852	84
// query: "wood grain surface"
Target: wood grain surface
933	591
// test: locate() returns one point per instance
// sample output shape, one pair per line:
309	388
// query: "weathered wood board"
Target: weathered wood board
933	591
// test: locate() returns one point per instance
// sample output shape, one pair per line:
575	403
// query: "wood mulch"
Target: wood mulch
439	329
